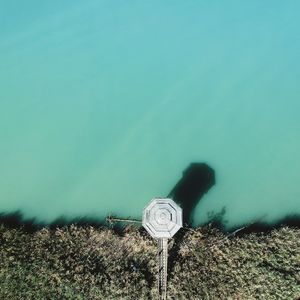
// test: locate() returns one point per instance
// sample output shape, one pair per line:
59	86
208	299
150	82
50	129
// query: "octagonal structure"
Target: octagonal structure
162	218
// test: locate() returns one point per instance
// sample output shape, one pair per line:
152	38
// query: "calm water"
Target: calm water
103	104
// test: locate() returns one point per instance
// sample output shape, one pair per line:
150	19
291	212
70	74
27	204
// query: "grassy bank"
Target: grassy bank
97	263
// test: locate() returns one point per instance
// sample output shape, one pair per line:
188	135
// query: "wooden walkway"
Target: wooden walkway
163	267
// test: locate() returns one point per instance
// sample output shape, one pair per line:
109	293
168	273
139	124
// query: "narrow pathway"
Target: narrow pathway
163	267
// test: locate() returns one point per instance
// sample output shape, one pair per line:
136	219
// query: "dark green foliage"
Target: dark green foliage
91	263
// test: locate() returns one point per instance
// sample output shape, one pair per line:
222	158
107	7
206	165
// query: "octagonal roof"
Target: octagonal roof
162	218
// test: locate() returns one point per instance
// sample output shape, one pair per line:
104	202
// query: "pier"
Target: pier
162	218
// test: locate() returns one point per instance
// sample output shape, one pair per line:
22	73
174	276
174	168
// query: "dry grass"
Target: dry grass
97	263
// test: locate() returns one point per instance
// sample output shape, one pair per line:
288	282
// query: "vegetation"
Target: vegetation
85	262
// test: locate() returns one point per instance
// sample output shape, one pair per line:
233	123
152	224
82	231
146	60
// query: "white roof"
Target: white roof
162	218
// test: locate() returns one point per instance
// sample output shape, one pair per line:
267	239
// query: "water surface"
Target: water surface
103	105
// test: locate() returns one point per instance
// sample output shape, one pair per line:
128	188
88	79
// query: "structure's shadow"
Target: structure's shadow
197	179
15	220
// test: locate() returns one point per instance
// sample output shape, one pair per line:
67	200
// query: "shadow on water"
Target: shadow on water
291	221
16	220
216	219
196	180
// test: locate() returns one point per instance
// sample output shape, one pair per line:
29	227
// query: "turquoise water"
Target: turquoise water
103	104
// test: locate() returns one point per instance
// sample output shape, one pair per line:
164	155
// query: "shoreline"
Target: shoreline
16	220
